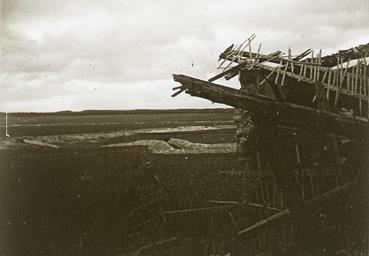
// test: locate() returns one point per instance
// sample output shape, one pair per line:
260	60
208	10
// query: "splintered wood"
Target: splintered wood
345	79
302	135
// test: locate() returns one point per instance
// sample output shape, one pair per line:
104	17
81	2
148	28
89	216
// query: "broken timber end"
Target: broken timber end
283	113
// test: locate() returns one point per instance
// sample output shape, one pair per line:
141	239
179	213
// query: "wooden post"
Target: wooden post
342	77
324	75
335	75
284	74
364	74
316	75
352	76
278	70
290	58
339	81
347	81
366	84
356	77
268	76
329	82
301	69
360	88
311	66
305	69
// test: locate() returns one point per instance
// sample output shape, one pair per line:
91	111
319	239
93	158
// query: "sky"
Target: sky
121	54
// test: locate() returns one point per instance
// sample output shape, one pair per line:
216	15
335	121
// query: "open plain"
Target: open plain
114	184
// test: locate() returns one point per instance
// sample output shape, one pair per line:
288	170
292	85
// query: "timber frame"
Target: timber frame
309	154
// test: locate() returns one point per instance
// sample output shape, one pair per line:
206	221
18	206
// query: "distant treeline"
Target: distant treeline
123	112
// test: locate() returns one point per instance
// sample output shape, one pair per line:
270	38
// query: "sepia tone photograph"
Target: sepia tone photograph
168	127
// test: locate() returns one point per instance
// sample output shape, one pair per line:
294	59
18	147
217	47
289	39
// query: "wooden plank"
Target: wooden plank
366	84
243	45
178	92
318	199
284	74
311	66
265	221
223	202
267	77
324	75
300	74
342	77
348	81
303	79
356	77
351	53
278	71
263	206
228	71
197	209
244	55
329	83
302	55
282	113
360	89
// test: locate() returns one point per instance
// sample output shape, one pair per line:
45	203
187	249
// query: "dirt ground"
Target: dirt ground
83	198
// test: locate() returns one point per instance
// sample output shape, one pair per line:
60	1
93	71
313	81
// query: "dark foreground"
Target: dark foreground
64	191
88	200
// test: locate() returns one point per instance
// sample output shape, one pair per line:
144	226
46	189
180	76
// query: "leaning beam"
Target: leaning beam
282	113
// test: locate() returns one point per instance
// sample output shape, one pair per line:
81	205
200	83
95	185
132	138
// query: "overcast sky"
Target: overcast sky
120	54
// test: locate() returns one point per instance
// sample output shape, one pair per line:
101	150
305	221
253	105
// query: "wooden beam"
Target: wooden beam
282	113
228	71
302	55
198	209
352	53
319	199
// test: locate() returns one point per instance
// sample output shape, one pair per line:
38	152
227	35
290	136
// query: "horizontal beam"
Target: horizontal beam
282	113
352	53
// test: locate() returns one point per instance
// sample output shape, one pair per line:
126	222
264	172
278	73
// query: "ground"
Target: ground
64	190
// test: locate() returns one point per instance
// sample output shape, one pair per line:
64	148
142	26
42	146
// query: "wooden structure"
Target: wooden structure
303	135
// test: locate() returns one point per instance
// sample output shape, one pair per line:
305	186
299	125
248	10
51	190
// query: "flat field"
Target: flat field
65	191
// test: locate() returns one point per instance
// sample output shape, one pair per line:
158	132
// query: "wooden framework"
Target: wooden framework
307	153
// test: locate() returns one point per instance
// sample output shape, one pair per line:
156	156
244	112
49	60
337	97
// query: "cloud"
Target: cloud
54	53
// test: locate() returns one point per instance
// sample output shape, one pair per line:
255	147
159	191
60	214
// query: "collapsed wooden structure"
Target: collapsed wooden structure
303	136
